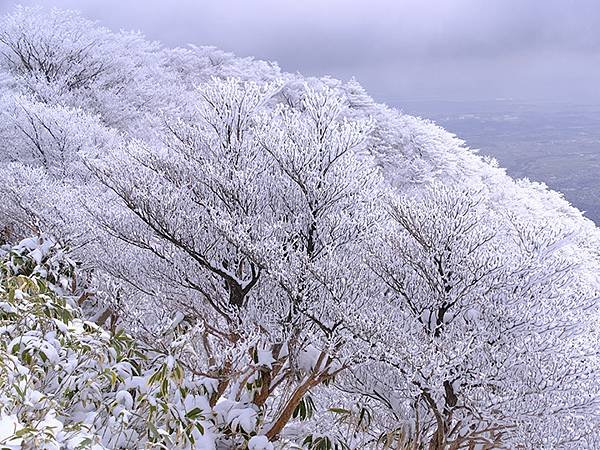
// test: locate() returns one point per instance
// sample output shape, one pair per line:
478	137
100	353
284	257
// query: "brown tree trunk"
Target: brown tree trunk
288	410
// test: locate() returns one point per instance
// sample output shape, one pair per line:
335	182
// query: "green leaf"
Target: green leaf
340	411
194	413
85	443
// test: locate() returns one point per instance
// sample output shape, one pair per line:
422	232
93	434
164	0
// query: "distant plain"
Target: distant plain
555	143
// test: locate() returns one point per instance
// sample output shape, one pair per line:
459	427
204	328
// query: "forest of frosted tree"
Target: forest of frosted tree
200	251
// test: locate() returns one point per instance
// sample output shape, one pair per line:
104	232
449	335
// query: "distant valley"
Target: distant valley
558	144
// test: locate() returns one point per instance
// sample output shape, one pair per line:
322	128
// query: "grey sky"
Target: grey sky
399	50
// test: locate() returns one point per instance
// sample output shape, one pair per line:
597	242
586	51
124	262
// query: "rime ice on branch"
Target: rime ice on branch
227	256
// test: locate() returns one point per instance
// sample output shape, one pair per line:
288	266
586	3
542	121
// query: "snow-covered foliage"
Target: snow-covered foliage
67	383
231	257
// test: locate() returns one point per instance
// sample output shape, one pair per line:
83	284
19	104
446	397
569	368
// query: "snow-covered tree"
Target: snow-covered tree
494	309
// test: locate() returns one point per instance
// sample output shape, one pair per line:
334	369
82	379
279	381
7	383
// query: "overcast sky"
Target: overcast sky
534	50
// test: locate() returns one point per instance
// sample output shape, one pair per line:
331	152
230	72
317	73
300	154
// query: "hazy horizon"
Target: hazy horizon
434	50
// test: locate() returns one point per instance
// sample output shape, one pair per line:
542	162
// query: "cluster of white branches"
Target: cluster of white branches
338	275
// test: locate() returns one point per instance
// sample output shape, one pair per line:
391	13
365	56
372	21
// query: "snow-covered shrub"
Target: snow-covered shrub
67	383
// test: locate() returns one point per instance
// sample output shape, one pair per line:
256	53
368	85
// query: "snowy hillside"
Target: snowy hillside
200	251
